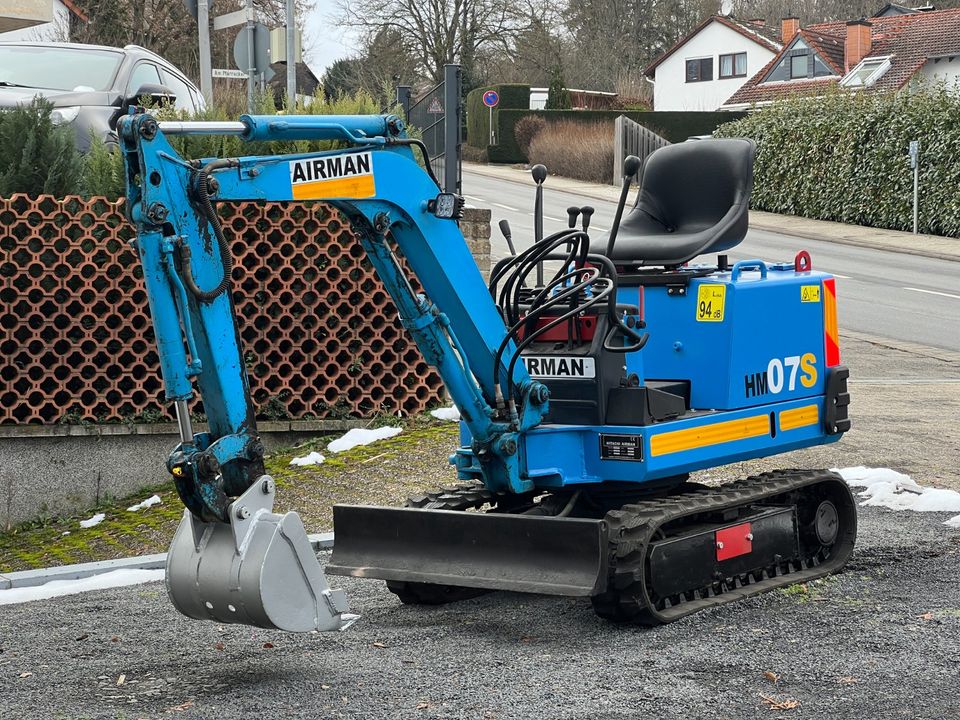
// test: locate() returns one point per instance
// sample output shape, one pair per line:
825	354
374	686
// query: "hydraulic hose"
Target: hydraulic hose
226	260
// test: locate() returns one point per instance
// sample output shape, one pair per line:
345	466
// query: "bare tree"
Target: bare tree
440	31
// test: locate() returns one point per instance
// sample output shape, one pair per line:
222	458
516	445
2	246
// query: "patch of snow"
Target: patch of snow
58	588
65	532
447	413
93	521
149	502
883	487
362	436
953	522
313	458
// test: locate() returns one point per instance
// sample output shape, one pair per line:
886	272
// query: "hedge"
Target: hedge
512	97
675	126
843	157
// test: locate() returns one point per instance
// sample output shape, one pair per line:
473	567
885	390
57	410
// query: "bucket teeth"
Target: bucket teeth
259	570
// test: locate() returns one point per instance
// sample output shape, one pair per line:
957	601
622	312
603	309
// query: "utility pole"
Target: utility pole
206	67
291	56
251	63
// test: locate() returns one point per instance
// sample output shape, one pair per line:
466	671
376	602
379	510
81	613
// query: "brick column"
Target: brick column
475	227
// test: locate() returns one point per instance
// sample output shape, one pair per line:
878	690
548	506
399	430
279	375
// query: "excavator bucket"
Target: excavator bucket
260	569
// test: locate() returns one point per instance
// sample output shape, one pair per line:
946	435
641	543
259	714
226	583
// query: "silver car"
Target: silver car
90	86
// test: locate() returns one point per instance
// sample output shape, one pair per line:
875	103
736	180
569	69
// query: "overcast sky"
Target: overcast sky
325	42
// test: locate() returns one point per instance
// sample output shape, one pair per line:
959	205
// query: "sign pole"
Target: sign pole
490	122
203	33
251	63
915	162
291	56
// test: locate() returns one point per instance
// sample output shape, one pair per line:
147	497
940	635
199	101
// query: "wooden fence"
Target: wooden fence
631	138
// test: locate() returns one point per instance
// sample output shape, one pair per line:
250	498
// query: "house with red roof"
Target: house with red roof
709	64
889	52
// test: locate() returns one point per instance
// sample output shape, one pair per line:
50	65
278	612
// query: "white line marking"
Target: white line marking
475	198
505	207
933	292
842	277
553	219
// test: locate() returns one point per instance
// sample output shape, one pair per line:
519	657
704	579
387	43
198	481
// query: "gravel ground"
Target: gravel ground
881	640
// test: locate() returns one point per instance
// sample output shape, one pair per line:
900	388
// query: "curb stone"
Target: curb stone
33	578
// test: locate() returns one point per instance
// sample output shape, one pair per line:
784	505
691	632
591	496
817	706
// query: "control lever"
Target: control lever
631	166
539	173
572	214
587	213
508	236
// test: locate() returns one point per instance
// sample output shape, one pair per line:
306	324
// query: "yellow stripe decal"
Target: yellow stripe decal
799	417
705	435
358	186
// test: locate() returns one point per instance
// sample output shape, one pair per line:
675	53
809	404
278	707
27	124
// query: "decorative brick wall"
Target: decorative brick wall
320	333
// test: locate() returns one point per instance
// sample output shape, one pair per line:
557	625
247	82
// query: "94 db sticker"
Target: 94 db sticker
710	302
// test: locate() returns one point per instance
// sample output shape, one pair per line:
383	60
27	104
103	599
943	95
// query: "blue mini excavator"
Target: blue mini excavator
592	378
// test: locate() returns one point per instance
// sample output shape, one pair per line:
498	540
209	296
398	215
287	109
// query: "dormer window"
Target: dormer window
867	72
800	61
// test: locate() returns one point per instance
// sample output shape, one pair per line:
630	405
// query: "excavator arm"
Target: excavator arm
389	199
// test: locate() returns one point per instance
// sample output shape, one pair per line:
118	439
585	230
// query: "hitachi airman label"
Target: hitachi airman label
560	367
334	176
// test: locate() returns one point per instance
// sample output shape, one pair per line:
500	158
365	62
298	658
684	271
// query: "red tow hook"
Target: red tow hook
802	262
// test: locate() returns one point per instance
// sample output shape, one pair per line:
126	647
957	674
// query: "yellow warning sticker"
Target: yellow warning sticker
710	301
809	293
333	176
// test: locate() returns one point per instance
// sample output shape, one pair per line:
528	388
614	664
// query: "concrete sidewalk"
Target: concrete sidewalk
932	246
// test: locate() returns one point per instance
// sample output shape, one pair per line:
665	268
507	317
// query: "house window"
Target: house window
867	72
733	65
798	66
700	69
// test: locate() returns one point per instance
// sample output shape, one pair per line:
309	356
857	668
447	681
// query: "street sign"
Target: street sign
229	73
278	45
222	22
491	98
261	50
435	107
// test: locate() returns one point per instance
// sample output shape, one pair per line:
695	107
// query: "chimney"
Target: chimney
858	43
758	21
789	27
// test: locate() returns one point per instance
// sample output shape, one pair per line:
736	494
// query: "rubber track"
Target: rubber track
632	527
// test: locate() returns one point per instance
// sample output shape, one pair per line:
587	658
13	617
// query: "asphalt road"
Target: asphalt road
892	295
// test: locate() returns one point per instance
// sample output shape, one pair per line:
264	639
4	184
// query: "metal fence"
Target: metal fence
320	334
631	138
437	116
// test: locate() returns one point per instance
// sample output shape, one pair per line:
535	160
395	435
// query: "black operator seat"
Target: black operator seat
693	199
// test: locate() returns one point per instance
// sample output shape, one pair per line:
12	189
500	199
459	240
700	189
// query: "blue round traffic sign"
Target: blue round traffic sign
491	98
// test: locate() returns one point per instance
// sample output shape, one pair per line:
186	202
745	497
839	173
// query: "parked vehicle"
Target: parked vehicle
90	86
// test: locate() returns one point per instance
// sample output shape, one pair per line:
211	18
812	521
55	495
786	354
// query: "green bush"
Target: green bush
36	156
843	157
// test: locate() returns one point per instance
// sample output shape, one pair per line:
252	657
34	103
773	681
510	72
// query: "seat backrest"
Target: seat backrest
692	186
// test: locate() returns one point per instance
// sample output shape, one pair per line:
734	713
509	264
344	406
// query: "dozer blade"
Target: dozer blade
259	570
495	551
